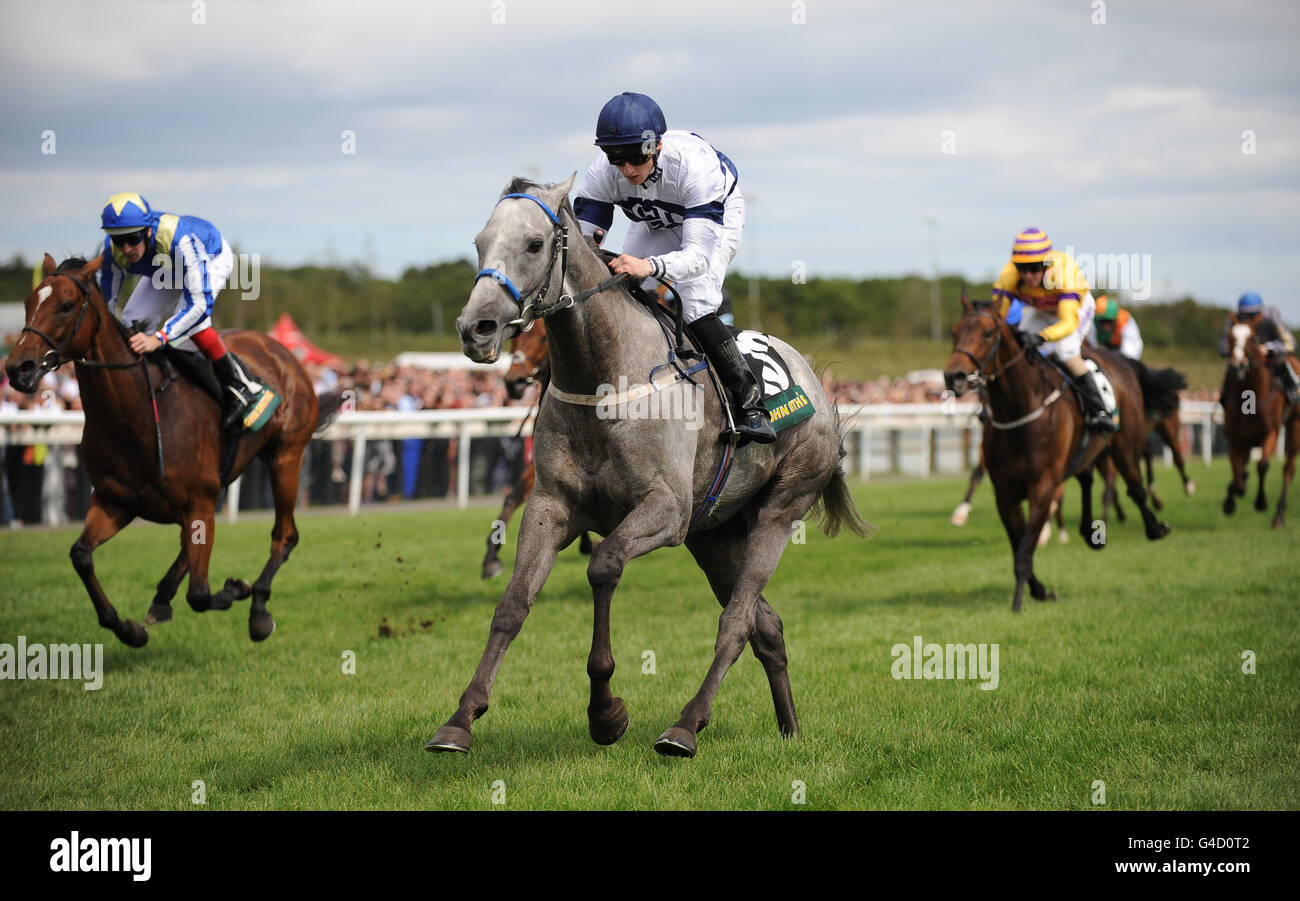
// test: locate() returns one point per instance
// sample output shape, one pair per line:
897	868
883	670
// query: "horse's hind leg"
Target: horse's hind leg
1127	461
764	545
284	469
652	524
1168	429
544	530
103	521
719	553
1288	471
161	609
492	565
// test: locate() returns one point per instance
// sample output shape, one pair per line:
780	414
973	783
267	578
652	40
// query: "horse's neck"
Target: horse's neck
1018	388
105	390
590	342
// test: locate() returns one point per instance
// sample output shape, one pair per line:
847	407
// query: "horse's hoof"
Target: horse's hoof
1063	536
1261	505
199	604
493	569
1229	505
1278	522
961	515
450	738
158	613
675	742
610	727
237	589
137	636
260	627
1190	487
1160	531
1156	503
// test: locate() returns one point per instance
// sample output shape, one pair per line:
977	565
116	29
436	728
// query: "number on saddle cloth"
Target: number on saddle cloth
786	403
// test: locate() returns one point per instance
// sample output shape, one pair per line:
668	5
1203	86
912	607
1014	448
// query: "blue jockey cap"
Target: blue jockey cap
630	119
1250	303
125	213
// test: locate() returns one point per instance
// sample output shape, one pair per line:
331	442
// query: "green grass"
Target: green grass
1133	677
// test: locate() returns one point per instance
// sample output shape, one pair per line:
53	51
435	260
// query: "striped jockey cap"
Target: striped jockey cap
1032	246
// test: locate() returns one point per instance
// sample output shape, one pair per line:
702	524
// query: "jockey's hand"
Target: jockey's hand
629	265
1033	340
143	343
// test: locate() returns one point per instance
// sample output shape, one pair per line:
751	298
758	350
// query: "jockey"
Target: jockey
1058	311
1273	335
687	214
1116	329
141	241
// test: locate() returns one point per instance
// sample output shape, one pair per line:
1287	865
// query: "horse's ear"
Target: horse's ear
965	301
92	267
510	185
49	265
562	189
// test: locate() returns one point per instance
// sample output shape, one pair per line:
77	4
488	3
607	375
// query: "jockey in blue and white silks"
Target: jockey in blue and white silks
687	215
183	262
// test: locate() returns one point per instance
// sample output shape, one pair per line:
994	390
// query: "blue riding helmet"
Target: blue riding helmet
1250	303
126	213
630	119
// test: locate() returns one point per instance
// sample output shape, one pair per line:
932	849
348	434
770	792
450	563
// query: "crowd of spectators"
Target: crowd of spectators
46	484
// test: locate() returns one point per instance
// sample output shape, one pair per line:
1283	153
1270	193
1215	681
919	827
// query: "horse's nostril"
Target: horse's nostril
485	327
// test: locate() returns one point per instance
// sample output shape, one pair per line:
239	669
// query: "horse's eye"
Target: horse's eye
988	333
67	307
535	245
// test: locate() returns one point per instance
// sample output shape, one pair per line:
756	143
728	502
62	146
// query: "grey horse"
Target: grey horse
636	481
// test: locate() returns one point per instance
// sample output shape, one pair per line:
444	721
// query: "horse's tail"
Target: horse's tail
836	505
330	405
1160	389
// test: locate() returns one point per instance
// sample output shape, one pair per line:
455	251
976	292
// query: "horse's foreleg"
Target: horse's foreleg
1040	498
1168	429
1092	536
762	552
961	515
103	521
1265	458
1151	479
161	609
197	535
545	529
284	538
719	552
653	523
1236	487
1013	520
492	565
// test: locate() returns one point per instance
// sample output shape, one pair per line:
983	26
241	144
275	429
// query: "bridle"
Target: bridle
54	358
532	302
979	378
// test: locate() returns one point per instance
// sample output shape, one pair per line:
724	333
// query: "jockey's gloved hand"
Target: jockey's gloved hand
1275	347
1033	340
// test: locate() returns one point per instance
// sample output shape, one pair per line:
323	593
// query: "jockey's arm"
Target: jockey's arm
1067	322
701	239
196	294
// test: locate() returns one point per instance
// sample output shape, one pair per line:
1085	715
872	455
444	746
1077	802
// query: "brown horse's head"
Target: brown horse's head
975	340
531	362
1245	349
64	312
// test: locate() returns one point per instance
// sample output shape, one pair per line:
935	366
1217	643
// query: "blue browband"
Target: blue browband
501	277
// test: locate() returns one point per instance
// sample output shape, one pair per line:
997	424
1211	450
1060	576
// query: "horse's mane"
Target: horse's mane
71	263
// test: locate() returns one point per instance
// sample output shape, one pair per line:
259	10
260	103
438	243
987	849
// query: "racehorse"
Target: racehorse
1255	412
67	320
643	483
530	365
961	514
1033	444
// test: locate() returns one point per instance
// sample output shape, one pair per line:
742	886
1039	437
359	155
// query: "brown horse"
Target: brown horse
1160	389
67	320
1033	444
961	515
530	365
1255	412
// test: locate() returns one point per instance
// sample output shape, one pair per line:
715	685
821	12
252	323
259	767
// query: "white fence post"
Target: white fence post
358	473
232	500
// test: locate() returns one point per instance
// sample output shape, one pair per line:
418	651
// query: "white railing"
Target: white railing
863	423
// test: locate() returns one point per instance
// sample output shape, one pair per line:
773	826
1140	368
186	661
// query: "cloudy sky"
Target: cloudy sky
1169	130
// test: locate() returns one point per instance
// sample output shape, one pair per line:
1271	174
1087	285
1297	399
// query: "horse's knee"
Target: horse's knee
82	557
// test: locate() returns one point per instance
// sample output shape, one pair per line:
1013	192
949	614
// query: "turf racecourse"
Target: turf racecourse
1133	678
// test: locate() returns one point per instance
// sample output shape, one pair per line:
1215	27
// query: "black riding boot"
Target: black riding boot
1095	415
1290	381
240	390
746	397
